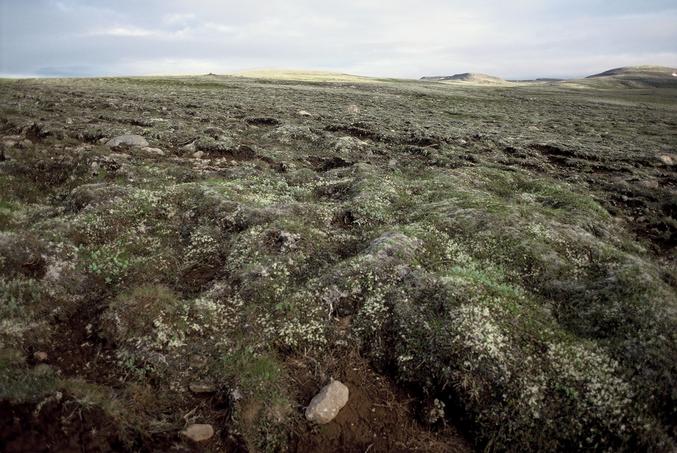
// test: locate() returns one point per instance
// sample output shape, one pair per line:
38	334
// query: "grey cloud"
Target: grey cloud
522	38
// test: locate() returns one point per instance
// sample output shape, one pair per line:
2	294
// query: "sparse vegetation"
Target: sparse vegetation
505	253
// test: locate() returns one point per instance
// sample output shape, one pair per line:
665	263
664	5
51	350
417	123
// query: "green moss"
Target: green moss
19	384
257	374
137	313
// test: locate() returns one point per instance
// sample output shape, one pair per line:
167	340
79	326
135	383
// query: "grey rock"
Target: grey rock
198	432
155	151
127	139
325	406
189	148
667	159
202	387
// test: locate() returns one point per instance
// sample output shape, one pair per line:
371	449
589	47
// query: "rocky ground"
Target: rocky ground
185	262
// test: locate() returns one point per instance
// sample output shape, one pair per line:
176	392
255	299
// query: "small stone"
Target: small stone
202	387
40	356
198	154
304	113
667	159
156	151
325	406
127	139
199	432
189	148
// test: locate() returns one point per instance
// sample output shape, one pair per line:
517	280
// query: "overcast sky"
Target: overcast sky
511	39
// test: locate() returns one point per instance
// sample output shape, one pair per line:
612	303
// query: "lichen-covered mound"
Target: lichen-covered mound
504	257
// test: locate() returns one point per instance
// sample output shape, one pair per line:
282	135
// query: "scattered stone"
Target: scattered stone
40	356
325	406
189	148
127	139
156	151
199	432
667	159
304	113
202	387
198	154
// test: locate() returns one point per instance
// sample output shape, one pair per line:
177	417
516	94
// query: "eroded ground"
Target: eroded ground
506	254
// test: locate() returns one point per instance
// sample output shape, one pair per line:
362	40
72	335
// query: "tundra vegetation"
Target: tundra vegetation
499	258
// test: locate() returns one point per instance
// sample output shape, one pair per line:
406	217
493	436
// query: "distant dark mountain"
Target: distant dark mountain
466	77
637	77
651	71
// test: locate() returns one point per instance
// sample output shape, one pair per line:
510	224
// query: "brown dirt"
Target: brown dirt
65	425
58	425
379	416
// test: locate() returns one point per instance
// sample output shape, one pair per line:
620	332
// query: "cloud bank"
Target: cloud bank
512	39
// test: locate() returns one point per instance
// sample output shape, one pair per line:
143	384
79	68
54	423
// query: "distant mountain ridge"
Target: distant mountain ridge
651	71
646	76
466	77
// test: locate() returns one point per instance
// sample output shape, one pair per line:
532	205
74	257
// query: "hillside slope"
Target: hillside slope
467	77
635	77
485	268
